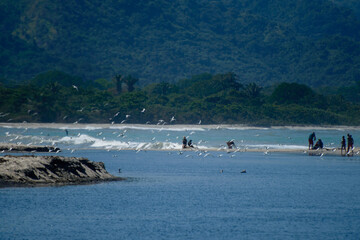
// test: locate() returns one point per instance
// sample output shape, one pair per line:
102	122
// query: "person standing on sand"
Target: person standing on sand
312	138
343	145
350	144
184	142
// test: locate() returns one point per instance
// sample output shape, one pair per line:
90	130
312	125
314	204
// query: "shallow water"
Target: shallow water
174	195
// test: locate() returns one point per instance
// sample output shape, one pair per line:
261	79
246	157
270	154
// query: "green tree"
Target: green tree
218	83
130	81
102	84
162	88
118	83
58	77
288	93
252	90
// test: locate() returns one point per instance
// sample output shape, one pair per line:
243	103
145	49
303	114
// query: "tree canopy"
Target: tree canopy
213	99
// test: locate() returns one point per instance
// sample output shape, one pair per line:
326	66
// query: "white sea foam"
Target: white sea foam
114	144
135	145
82	139
93	142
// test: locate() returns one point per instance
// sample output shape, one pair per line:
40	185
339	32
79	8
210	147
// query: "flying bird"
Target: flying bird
77	89
143	110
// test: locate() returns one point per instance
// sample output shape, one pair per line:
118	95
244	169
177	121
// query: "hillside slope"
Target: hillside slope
352	4
311	42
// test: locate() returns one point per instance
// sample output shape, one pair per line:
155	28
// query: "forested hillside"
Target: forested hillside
311	42
351	4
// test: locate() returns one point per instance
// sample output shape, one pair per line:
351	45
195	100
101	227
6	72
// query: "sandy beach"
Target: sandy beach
174	126
318	152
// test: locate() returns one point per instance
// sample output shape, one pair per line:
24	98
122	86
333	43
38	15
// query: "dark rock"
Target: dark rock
51	170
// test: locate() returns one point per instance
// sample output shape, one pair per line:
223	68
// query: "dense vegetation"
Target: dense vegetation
313	42
222	98
352	4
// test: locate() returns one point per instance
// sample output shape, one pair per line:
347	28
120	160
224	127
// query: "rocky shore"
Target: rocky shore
30	170
6	147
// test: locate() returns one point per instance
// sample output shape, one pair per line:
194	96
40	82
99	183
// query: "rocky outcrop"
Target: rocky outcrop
6	147
50	170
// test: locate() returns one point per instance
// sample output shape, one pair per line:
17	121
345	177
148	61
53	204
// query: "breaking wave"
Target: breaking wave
85	141
114	144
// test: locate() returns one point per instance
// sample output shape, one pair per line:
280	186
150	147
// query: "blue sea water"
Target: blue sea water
189	195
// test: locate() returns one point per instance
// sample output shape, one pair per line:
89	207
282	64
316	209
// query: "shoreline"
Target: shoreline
15	148
324	151
172	126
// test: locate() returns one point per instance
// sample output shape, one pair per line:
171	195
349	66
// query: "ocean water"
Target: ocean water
171	194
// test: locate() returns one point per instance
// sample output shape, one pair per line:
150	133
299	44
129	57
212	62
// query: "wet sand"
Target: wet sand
319	152
8	148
